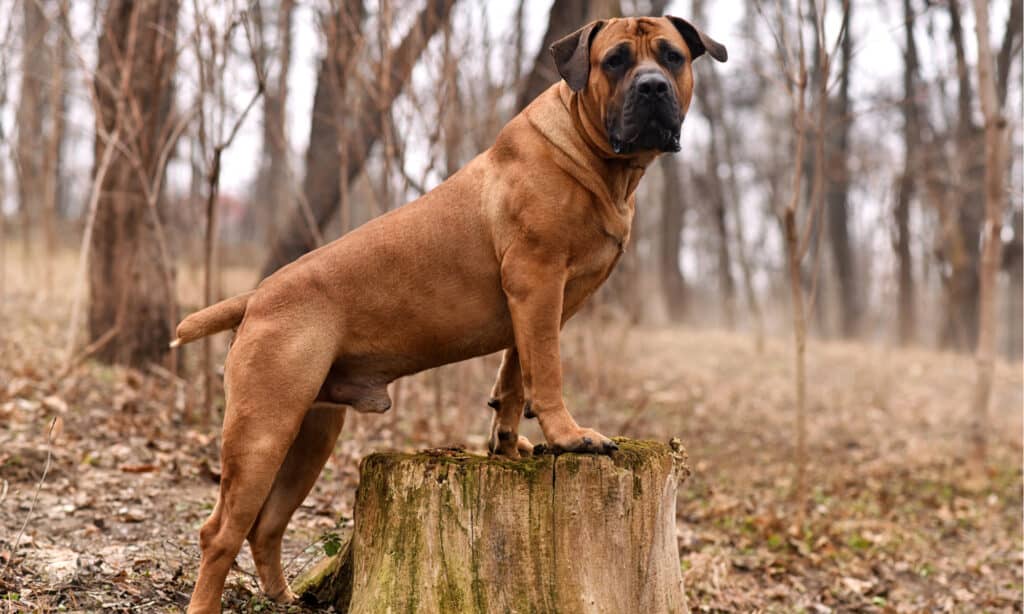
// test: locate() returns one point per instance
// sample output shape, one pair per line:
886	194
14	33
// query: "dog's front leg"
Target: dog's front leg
507	399
535	287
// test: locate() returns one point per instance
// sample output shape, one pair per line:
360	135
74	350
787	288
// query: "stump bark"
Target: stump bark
449	532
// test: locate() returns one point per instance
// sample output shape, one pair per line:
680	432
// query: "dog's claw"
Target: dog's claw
585	441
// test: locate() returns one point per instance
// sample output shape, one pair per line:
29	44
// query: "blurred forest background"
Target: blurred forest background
822	295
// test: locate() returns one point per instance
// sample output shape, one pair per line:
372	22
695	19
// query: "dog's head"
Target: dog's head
635	77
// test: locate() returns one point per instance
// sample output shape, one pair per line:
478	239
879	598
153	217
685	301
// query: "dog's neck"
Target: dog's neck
561	118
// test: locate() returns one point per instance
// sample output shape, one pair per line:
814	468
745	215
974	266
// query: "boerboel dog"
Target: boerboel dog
497	257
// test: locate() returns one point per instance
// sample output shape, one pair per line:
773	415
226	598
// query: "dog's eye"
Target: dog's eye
674	57
614	62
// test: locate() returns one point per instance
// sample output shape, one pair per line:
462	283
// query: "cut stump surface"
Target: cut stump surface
444	531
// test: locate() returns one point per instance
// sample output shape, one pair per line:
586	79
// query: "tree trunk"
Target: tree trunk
52	158
565	17
710	106
816	286
995	202
128	292
444	531
324	172
273	184
960	329
30	121
906	327
673	213
837	214
1013	264
1009	50
714	93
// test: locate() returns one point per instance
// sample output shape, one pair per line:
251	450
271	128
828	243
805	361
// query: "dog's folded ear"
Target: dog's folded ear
572	55
699	42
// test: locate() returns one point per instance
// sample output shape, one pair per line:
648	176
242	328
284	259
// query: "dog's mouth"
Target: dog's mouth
645	126
652	137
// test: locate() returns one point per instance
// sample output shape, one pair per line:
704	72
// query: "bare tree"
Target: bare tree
1013	264
710	105
218	126
565	16
1009	50
130	282
963	221
673	211
31	117
906	327
322	195
797	232
1013	251
4	145
995	202
837	216
273	187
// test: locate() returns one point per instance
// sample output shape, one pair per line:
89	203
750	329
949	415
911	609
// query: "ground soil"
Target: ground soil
896	518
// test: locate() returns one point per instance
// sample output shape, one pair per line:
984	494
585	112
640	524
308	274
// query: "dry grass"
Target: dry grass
897	521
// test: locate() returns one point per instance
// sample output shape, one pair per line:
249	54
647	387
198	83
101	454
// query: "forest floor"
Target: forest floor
896	519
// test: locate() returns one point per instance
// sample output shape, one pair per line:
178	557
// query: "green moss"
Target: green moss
452	599
315	577
461	590
528	466
572	463
329	582
635	454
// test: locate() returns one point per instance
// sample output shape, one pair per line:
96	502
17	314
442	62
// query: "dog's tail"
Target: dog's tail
215	318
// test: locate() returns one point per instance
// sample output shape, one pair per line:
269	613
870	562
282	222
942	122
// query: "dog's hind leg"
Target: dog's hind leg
507	400
267	401
295	478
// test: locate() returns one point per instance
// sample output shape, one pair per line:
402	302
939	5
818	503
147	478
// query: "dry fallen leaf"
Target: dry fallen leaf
147	468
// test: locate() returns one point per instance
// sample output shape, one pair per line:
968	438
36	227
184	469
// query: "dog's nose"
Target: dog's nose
651	85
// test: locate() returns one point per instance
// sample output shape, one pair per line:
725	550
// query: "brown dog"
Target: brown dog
497	257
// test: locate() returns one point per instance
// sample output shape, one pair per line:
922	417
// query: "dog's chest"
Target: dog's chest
591	267
599	247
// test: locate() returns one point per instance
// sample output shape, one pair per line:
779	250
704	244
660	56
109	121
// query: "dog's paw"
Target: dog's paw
585	441
510	445
524	446
284	597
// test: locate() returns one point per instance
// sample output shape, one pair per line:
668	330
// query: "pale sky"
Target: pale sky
877	29
877	49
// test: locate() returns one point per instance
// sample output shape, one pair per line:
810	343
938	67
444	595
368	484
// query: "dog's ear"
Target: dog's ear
699	42
572	55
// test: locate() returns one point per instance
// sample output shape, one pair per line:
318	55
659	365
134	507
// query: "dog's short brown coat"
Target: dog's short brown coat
497	257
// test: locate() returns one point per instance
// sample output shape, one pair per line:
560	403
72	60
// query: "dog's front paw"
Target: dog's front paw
507	443
585	441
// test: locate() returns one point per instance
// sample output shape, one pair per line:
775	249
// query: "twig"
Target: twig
35	496
213	179
83	252
302	551
89	350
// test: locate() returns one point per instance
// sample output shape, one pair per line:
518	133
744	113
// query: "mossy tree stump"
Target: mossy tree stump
450	532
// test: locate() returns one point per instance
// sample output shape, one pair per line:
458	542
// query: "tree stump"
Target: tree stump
444	531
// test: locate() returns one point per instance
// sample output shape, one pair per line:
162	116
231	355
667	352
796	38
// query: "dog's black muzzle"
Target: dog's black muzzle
650	119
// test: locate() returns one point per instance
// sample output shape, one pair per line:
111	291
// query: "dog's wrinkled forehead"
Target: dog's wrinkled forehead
577	52
641	33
